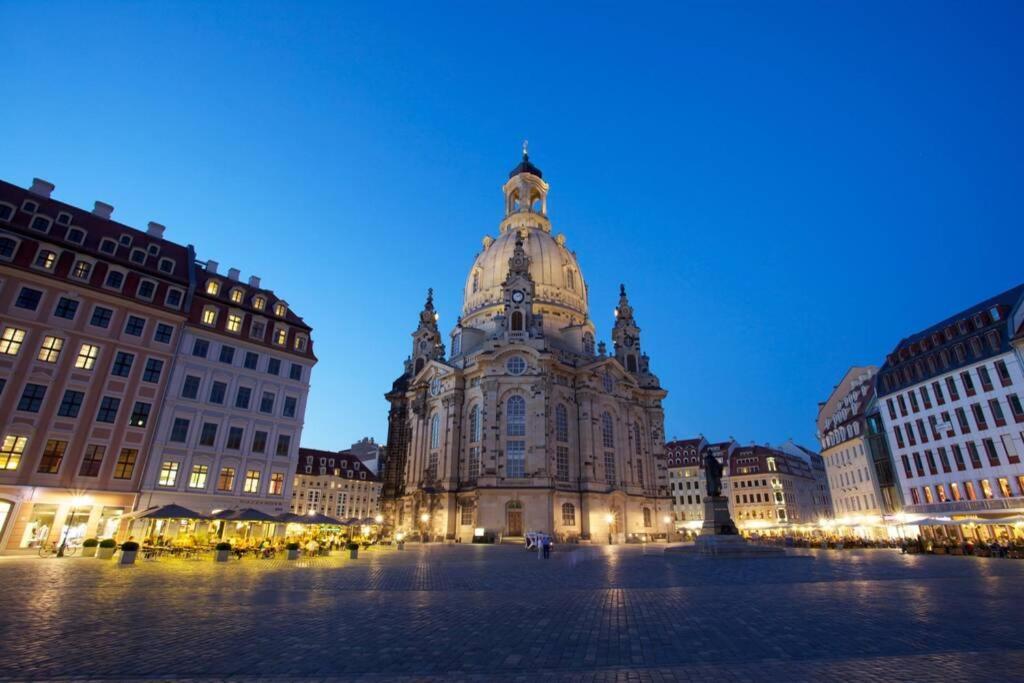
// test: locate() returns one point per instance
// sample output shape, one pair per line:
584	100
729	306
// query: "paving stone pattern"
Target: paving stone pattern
498	613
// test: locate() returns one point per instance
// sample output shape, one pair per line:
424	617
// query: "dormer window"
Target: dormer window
209	316
153	249
6	211
259	302
46	259
236	295
64	218
76	235
108	246
147	288
138	256
280	309
41	223
213	288
994	312
82	270
29	206
166	265
126	240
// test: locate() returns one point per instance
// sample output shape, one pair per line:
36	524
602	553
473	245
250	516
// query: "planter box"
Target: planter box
220	555
128	556
293	554
89	552
105	553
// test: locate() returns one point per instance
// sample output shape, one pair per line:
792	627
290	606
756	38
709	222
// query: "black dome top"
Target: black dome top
525	167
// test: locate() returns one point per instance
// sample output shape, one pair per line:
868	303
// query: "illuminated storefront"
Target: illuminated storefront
32	517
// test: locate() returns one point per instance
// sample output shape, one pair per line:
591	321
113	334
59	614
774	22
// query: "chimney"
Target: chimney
103	210
254	282
211	267
233	274
156	230
41	187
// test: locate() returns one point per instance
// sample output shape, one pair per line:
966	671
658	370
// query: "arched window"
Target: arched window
636	436
515	416
517	321
588	344
647	517
568	514
631	363
476	281
474	424
570	279
561	423
435	431
607	431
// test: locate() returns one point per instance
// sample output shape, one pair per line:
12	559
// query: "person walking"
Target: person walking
547	547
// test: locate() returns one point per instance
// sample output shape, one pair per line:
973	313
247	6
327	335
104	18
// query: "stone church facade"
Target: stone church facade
526	425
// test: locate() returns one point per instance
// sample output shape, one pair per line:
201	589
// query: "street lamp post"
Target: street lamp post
425	518
610	519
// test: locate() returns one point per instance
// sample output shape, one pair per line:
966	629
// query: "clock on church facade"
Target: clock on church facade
523	426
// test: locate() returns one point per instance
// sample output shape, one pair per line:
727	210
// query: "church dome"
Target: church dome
560	292
559	285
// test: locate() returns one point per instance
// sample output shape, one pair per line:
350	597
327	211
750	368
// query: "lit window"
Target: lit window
280	308
276	484
87	355
252	481
234	322
300	343
11	451
11	340
82	270
209	316
281	337
259	302
46	259
49	352
226	480
168	473
197	480
213	287
236	295
125	465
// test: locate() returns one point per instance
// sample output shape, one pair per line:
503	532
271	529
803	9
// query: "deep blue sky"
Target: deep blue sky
786	188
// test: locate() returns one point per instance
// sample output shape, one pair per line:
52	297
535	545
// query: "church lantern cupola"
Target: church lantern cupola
526	197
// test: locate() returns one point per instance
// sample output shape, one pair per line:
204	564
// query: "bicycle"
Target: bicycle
51	549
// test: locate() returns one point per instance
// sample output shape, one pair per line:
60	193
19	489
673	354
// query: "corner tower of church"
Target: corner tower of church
524	427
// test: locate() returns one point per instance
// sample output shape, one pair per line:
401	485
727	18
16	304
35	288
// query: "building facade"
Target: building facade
229	432
849	461
527	424
950	401
684	462
768	486
91	312
339	485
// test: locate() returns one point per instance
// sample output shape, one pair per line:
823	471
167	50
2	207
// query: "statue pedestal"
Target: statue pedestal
720	538
717	520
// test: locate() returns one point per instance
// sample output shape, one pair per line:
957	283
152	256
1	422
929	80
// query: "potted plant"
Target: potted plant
129	549
89	547
293	551
221	551
353	549
106	549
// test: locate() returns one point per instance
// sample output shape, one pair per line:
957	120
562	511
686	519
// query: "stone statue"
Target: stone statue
713	475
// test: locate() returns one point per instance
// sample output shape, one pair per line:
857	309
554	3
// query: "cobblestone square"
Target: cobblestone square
499	613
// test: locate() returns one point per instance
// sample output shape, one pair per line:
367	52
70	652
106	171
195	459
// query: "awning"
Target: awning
245	515
170	511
